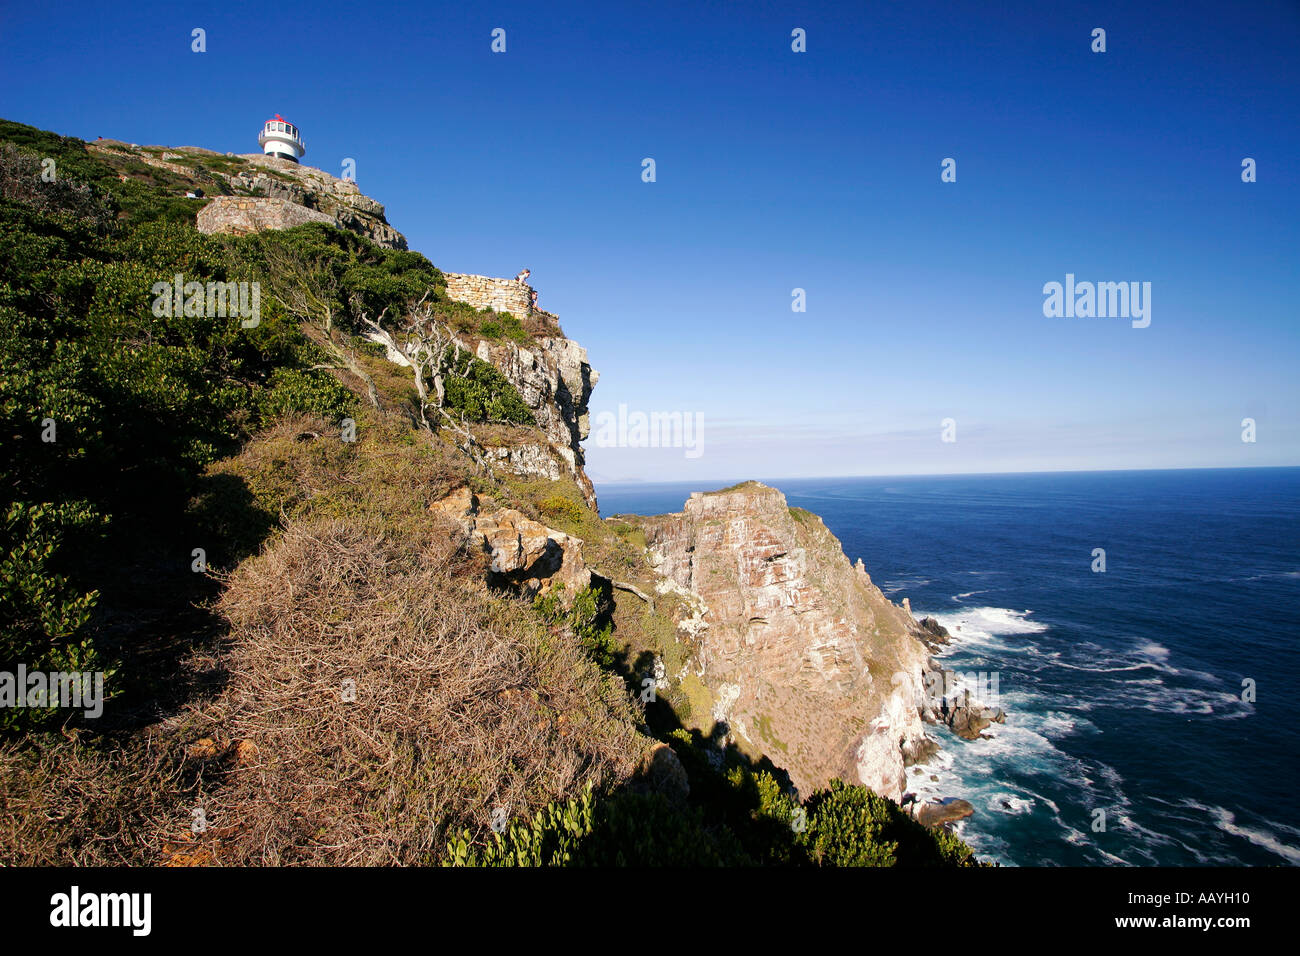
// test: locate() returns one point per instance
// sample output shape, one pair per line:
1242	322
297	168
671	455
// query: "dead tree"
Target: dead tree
434	355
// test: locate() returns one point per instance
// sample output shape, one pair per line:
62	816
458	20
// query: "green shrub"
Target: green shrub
560	508
513	329
582	617
843	826
314	392
851	826
42	615
483	394
625	829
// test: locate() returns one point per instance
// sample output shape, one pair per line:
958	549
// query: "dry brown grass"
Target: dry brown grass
463	703
71	802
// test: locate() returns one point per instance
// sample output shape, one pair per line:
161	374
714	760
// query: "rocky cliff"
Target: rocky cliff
339	199
797	655
555	380
805	658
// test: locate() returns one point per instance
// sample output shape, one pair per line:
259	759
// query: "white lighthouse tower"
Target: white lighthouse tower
281	139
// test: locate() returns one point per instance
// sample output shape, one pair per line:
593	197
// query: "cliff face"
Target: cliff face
804	657
555	380
800	656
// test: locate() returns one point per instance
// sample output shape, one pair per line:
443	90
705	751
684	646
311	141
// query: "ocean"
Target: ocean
1148	721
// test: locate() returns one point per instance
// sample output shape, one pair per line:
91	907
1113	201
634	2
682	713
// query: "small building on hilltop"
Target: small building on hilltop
282	139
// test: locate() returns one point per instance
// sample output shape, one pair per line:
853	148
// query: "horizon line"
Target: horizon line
945	474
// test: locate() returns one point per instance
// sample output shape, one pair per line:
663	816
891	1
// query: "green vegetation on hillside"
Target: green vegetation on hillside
112	411
741	817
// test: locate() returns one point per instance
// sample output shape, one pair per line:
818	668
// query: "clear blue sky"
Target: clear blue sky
779	170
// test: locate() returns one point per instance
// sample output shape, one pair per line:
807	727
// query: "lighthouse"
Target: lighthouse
281	139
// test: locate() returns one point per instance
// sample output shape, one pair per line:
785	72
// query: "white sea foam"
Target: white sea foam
895	585
1153	650
987	622
1009	803
984	629
1226	821
1002	773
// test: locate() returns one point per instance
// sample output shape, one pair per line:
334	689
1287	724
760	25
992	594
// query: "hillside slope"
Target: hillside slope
340	565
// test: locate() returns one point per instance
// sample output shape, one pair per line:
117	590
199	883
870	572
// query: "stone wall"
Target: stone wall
502	295
245	214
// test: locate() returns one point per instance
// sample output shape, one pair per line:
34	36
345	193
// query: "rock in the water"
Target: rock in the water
932	632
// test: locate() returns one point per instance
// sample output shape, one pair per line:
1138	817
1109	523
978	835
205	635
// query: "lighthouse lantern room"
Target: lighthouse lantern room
282	139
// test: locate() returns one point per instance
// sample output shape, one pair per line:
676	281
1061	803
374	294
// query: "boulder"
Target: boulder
942	812
522	553
661	772
932	632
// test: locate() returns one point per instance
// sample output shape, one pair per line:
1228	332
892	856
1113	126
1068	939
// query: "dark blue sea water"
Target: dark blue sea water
1123	688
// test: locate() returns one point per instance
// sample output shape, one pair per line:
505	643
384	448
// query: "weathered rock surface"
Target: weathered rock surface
265	193
555	380
805	658
523	553
240	215
943	812
339	199
966	716
662	772
532	460
932	633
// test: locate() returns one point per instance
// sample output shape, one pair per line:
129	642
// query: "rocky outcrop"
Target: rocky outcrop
522	553
932	633
662	772
804	657
240	215
272	193
946	701
339	199
942	812
966	716
555	380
